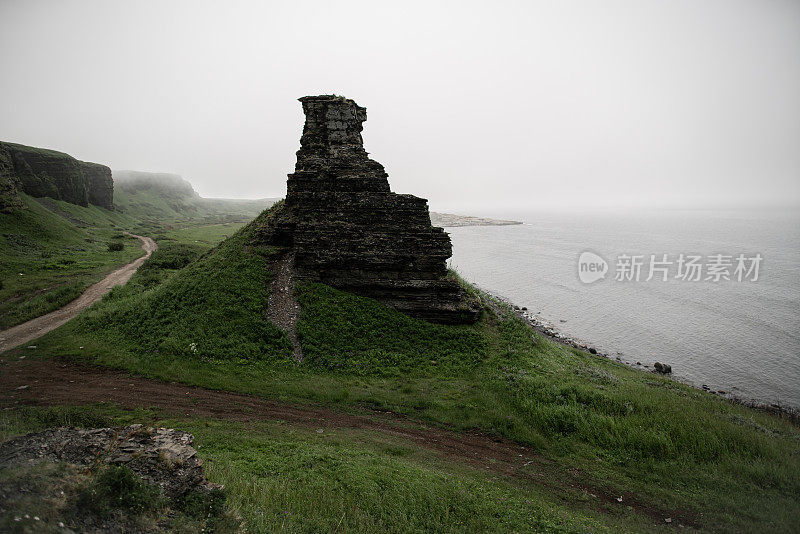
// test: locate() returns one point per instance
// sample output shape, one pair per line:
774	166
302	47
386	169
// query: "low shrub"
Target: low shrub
118	488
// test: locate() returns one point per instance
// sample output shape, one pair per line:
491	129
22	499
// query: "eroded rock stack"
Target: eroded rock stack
348	230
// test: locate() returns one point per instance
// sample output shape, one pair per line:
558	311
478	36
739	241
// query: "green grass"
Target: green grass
116	487
737	468
196	315
388	344
48	258
205	235
214	310
282	478
162	202
52	251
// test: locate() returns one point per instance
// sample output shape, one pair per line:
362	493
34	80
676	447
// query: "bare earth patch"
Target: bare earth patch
283	309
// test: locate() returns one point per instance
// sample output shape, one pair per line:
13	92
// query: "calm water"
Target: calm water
741	337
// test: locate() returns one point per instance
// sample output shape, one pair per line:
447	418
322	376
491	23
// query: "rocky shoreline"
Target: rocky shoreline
548	329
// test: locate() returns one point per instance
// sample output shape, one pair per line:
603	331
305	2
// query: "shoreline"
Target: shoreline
547	329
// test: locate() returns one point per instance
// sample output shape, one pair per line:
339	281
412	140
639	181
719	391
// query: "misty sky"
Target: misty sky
473	105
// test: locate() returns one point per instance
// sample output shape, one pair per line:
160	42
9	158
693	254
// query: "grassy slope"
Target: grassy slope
292	479
738	468
205	235
214	308
47	258
154	207
61	248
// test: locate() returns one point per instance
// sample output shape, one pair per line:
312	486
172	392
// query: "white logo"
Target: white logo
591	267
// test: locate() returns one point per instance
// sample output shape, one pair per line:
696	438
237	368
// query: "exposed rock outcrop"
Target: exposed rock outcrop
348	230
99	184
10	201
46	173
129	479
163	457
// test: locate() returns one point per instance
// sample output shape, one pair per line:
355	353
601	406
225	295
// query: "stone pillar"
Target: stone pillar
348	230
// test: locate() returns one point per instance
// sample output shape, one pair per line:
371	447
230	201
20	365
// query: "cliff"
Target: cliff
10	201
46	173
99	184
347	229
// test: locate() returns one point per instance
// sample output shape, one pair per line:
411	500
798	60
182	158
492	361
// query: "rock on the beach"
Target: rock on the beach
662	368
593	350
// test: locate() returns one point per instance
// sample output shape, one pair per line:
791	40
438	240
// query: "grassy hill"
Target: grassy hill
158	198
52	250
196	316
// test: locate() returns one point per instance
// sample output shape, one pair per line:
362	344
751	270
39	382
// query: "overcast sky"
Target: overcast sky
473	105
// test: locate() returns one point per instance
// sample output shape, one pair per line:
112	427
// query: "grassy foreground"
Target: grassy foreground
730	467
283	478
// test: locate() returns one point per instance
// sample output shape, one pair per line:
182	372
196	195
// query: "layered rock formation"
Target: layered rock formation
47	173
348	230
99	184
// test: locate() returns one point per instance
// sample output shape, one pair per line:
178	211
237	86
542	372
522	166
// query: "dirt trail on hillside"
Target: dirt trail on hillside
282	307
30	330
51	382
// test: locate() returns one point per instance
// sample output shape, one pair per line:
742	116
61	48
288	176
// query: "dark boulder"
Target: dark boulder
662	368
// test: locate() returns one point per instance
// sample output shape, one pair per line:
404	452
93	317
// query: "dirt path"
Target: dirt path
50	382
282	308
30	330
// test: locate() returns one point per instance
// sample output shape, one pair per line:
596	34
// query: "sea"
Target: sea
714	294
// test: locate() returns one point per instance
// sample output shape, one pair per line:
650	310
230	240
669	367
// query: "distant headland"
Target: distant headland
450	220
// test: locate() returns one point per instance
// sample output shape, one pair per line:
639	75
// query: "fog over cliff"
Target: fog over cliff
477	106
